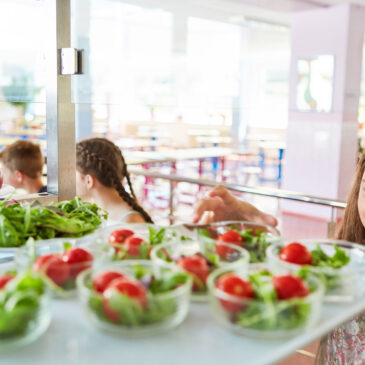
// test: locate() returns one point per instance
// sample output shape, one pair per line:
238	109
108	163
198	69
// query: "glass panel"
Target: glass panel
22	86
178	74
213	65
22	60
147	66
21	164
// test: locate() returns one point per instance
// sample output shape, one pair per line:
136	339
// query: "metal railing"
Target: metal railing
255	190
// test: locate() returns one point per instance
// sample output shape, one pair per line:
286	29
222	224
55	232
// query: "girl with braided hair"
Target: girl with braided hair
100	174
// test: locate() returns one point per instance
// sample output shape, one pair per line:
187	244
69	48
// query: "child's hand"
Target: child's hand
221	205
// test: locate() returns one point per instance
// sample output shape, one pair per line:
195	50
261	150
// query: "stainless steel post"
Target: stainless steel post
61	159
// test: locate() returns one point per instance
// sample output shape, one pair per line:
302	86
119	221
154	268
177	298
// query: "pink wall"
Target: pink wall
322	147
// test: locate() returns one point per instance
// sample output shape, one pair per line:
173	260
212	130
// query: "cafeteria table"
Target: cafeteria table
72	340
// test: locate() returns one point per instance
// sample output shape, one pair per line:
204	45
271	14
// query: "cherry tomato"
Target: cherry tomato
235	286
131	288
289	286
223	251
120	235
197	266
78	259
230	236
4	279
296	253
53	266
132	245
101	281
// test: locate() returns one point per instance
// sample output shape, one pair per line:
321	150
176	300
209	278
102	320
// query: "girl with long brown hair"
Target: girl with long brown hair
100	174
346	344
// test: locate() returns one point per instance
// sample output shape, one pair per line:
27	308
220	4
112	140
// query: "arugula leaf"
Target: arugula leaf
20	305
331	281
156	235
256	243
67	246
129	310
144	251
139	271
203	232
284	315
168	281
209	253
338	260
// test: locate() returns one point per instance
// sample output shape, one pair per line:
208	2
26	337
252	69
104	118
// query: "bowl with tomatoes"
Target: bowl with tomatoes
339	264
131	298
199	260
259	304
24	307
132	241
253	237
58	261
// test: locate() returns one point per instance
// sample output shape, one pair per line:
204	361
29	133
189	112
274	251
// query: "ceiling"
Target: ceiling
242	11
276	11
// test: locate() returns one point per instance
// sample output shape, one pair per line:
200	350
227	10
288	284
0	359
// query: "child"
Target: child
221	205
100	172
346	344
22	166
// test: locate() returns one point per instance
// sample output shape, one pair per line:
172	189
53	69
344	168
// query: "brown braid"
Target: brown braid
104	160
126	174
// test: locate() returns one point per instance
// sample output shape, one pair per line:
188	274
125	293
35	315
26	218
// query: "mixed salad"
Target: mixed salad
121	298
21	221
20	303
255	241
128	245
199	263
60	270
264	301
311	261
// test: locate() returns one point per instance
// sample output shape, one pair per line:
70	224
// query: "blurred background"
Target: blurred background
250	93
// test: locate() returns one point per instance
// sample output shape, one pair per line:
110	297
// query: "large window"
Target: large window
266	76
213	71
23	73
149	65
22	69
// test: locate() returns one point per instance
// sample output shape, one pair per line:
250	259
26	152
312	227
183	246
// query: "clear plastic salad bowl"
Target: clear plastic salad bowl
24	308
269	319
174	254
122	248
60	273
165	302
341	284
254	237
